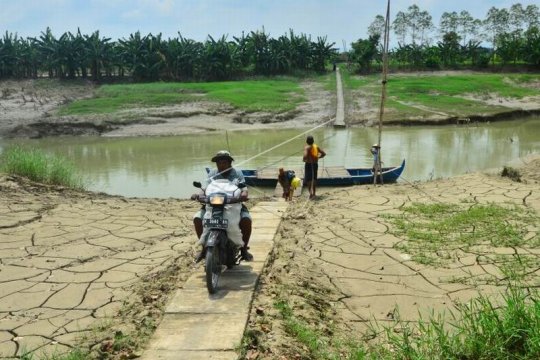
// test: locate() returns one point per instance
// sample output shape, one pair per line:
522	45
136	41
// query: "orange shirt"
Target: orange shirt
312	153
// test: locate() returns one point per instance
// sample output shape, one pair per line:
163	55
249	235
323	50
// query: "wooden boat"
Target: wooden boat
361	176
328	176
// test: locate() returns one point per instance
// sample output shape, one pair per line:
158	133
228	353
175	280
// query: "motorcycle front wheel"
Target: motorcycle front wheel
212	268
230	262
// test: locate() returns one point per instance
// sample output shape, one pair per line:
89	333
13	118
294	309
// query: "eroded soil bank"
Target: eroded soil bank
28	109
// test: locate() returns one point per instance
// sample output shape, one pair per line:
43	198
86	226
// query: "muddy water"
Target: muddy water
166	166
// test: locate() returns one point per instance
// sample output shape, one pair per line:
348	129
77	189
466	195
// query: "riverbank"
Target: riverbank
339	272
29	109
87	268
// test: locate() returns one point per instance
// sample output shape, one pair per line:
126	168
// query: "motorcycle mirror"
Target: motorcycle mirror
197	184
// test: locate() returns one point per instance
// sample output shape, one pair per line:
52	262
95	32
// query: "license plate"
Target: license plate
216	223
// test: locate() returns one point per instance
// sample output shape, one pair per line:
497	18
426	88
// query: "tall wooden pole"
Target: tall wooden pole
378	167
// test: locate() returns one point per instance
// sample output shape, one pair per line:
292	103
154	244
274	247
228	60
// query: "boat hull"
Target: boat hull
357	176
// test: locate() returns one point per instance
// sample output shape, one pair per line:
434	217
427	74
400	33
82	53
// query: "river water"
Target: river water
166	166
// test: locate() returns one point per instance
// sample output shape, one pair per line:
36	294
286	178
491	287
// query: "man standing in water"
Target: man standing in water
312	154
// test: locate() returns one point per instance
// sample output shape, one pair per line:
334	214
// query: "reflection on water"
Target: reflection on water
166	166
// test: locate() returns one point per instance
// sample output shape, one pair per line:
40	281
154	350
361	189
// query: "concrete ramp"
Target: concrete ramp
197	325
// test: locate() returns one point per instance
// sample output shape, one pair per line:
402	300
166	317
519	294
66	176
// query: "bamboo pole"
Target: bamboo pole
378	168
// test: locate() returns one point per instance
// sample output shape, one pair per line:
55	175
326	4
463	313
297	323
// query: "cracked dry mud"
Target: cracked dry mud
336	265
69	261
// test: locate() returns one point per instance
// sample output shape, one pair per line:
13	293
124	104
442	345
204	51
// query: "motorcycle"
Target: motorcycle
221	237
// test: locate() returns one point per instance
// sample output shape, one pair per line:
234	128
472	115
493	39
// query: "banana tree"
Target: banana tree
98	52
259	49
278	60
29	59
219	59
322	52
300	51
183	57
143	56
48	49
8	55
242	48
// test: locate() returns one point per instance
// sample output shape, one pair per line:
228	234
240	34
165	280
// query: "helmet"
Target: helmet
222	154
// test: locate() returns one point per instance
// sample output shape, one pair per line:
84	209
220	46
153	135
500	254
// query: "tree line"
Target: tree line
151	58
504	36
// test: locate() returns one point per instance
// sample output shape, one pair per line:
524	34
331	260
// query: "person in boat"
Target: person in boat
375	150
312	154
224	170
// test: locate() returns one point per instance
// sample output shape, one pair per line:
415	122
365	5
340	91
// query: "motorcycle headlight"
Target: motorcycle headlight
217	199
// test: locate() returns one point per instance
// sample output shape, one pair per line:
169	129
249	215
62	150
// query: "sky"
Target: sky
341	21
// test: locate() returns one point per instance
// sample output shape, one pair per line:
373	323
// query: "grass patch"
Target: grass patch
252	95
444	93
37	166
355	82
505	85
479	329
316	344
437	234
422	95
328	81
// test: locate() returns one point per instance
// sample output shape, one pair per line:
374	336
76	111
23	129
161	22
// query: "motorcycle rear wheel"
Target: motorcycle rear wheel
212	268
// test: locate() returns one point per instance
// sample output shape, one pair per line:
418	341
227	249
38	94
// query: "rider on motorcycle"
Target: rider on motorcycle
224	170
